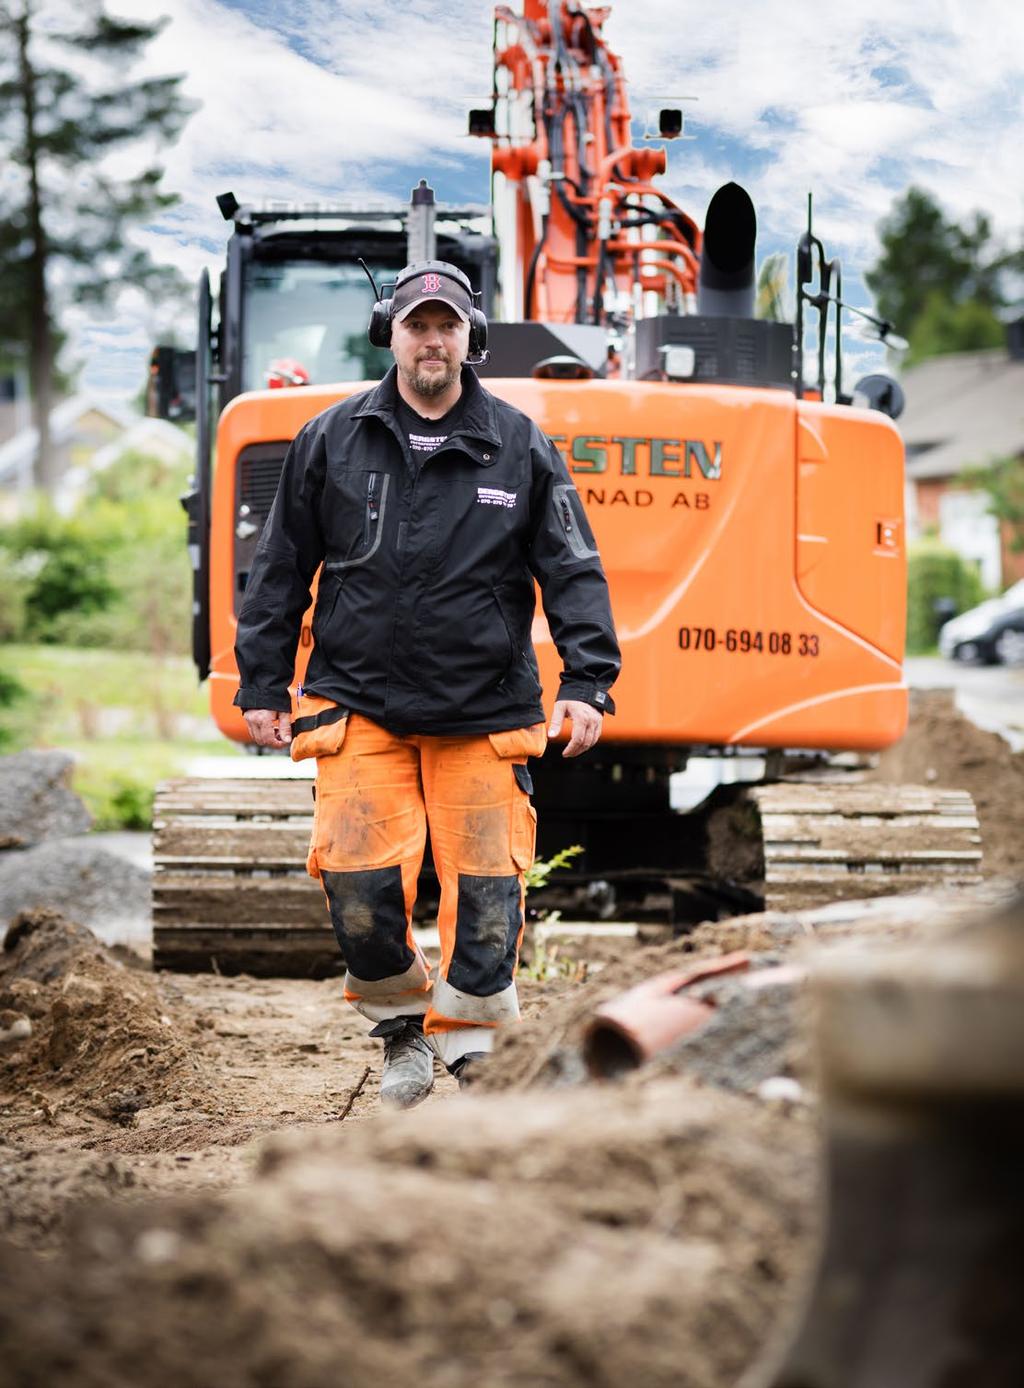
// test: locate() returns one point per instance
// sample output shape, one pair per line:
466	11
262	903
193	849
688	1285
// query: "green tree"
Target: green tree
945	326
65	105
113	574
936	573
938	281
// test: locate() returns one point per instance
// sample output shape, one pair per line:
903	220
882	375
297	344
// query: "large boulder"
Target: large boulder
36	801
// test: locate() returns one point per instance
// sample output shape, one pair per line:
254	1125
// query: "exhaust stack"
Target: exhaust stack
422	242
726	288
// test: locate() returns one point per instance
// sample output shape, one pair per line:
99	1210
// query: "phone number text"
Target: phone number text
744	641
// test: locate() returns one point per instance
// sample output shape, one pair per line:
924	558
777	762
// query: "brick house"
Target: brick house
964	409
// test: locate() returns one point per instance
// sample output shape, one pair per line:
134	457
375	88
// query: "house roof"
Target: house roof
19	452
156	437
963	410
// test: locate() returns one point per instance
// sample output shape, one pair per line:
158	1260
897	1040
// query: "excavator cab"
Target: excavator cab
290	311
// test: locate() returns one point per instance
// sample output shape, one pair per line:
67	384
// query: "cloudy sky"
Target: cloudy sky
853	99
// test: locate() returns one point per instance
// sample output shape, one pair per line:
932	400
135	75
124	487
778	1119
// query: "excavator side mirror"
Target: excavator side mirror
171	387
670	122
562	368
880	392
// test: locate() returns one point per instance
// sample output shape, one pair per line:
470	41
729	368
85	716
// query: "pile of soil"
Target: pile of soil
649	1233
942	747
91	1031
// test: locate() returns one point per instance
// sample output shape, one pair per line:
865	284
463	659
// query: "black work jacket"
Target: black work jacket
426	597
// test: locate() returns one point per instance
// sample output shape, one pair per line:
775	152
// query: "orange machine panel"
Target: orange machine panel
736	627
259	417
850	556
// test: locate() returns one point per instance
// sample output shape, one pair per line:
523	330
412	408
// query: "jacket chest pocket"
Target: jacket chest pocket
358	523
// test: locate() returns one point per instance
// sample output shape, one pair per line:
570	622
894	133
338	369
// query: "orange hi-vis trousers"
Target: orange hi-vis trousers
376	795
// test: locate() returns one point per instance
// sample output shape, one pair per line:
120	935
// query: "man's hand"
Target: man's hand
268	728
586	725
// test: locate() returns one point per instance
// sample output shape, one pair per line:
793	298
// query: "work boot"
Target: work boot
467	1066
408	1062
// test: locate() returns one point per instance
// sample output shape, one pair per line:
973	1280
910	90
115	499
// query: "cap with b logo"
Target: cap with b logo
431	285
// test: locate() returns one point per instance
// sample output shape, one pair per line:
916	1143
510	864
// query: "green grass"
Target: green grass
127	721
63	677
116	777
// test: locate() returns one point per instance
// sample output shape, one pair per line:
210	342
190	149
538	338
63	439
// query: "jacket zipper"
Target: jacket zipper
376	500
575	537
372	506
513	648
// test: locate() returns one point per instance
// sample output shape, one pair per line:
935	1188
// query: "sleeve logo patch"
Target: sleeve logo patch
494	496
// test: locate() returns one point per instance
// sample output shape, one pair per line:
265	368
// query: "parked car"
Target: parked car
988	634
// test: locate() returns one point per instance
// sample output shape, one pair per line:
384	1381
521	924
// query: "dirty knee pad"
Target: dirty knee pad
487	925
368	915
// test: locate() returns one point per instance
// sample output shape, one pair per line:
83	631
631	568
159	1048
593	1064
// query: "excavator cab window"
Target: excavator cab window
313	312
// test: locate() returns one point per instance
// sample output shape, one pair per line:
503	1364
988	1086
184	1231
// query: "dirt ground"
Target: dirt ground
943	748
178	1187
197	1185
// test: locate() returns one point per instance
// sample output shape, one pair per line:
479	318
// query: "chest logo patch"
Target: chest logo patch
495	496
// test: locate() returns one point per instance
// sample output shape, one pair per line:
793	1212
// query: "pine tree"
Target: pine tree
938	281
65	104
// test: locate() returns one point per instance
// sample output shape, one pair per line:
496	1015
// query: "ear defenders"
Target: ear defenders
382	313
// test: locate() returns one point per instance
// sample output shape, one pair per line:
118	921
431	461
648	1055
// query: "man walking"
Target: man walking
432	506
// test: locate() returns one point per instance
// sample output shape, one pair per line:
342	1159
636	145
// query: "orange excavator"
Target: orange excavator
750	520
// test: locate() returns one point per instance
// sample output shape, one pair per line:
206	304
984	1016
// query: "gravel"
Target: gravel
75	876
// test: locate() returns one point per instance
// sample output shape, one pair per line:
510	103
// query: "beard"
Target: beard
429	383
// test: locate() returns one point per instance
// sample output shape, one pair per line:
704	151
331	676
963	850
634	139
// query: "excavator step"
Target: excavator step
829	842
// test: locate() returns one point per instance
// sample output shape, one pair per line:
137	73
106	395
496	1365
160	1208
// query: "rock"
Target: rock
74	876
19	1029
82	992
781	1089
36	802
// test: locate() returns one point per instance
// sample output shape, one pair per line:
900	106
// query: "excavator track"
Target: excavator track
231	892
832	841
230	889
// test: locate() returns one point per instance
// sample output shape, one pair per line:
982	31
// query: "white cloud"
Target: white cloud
870	95
854	99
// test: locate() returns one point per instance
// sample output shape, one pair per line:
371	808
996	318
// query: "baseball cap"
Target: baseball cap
431	284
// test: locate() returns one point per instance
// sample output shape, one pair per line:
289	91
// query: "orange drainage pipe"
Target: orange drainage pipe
628	1030
636	1026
